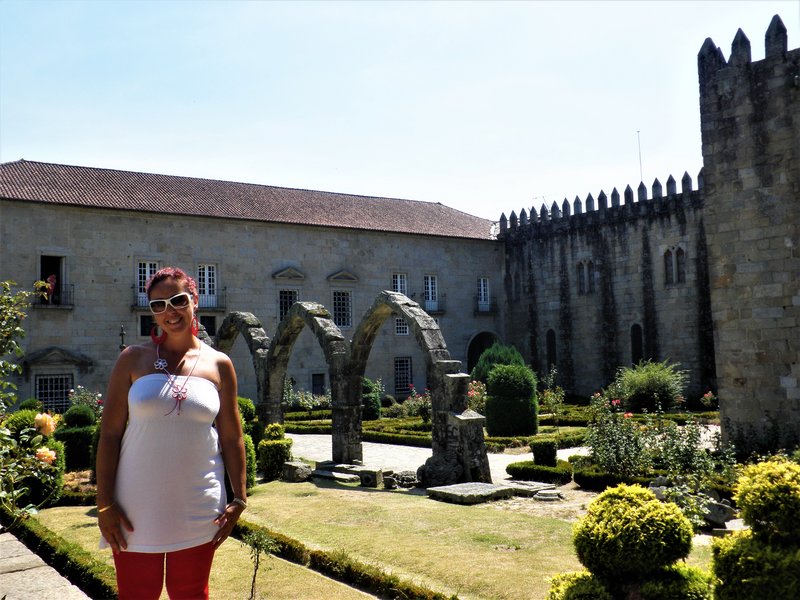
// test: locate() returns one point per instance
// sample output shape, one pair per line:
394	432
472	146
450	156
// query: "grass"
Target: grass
474	551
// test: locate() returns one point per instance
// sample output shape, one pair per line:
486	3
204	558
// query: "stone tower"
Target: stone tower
750	120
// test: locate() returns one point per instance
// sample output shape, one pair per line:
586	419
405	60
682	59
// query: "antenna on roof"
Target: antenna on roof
639	139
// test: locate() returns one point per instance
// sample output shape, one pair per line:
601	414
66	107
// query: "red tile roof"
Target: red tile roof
148	192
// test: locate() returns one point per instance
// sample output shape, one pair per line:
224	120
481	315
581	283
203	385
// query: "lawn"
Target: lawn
473	551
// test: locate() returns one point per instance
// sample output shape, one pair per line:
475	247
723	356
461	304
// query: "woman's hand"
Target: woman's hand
112	521
226	521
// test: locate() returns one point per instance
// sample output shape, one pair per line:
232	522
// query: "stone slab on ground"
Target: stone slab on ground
470	493
336	476
529	488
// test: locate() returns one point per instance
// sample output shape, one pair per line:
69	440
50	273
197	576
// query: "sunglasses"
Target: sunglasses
178	302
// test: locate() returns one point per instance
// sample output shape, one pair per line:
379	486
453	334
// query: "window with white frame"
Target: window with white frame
402	376
484	303
145	269
343	308
207	285
400	326
286	298
53	391
400	283
431	292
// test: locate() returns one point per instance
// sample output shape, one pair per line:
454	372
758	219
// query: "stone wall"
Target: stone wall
750	119
583	278
101	249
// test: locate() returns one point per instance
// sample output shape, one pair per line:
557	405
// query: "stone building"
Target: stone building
703	272
251	248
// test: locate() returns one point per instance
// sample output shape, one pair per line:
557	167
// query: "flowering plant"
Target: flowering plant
476	396
419	405
45	424
94	400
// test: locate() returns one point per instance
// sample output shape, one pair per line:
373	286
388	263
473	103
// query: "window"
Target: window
431	293
51	270
637	344
400	283
286	298
484	304
318	384
400	326
146	324
209	322
343	308
584	273
674	266
207	285
402	376
144	271
53	391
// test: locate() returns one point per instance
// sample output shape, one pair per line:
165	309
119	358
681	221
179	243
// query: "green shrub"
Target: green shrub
628	534
496	354
274	431
511	407
272	454
768	495
593	478
651	386
44	491
78	445
19	420
577	586
247	410
748	568
250	462
545	452
676	582
255	429
371	394
79	415
529	471
31	404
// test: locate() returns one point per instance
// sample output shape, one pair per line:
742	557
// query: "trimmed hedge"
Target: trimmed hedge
592	478
529	471
545	452
78	443
96	578
511	404
79	415
308	415
271	456
381	437
678	582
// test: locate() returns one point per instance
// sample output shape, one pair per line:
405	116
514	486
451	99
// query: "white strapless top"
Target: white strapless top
170	478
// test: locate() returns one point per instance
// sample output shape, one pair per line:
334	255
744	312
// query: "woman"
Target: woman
169	431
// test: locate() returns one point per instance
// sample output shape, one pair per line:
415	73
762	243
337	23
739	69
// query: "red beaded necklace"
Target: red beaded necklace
178	393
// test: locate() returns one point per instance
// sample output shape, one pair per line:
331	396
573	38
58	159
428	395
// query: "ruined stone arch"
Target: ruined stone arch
345	396
249	327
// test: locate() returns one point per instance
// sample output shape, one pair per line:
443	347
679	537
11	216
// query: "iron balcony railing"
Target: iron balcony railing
62	295
484	306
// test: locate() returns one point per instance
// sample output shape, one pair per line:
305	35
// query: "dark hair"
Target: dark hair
174	273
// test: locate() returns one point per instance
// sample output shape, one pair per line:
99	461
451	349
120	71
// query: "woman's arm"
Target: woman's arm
111	518
229	428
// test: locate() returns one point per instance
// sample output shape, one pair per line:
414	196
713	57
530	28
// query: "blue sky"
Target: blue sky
486	107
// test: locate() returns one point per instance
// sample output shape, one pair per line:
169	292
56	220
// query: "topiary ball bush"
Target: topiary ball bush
496	354
749	568
577	586
31	404
79	415
768	495
628	534
511	405
271	456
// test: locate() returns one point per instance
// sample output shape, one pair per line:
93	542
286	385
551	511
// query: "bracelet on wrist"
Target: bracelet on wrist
240	502
104	509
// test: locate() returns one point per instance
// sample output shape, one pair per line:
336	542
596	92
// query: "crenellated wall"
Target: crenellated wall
750	120
597	285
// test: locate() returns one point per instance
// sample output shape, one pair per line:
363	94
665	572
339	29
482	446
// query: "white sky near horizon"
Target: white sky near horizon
486	107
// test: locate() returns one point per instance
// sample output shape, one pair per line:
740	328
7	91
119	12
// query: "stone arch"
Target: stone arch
459	453
345	397
249	327
476	346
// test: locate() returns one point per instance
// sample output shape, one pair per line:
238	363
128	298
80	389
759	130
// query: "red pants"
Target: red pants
140	575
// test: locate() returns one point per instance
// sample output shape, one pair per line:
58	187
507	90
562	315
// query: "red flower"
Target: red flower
628	415
616	402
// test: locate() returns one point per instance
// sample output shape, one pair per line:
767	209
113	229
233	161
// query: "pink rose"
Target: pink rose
45	423
628	415
46	455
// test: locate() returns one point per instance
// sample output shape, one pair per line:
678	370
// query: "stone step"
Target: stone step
336	476
470	493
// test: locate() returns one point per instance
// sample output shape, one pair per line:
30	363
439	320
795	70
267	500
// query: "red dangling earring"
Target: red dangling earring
195	327
157	339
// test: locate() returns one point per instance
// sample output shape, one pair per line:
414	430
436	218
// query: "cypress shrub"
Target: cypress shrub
511	406
271	456
529	471
545	452
78	444
496	354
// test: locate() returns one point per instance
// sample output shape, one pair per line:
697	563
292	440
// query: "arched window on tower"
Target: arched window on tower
680	266
669	274
552	358
581	277
637	344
